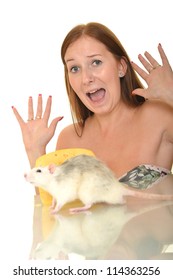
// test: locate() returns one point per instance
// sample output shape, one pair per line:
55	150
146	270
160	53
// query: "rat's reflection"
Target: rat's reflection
110	232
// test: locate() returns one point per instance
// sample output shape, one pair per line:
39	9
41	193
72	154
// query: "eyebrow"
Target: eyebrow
89	56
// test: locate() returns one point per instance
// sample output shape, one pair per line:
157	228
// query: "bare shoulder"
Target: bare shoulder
157	109
67	137
159	114
158	105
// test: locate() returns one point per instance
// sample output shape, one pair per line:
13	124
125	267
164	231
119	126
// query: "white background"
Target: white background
31	33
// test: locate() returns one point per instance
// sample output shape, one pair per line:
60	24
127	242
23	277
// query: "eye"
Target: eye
38	171
97	62
74	69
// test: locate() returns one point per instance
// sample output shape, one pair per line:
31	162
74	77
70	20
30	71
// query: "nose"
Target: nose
87	76
25	175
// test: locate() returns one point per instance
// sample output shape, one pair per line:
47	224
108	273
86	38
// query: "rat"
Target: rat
85	178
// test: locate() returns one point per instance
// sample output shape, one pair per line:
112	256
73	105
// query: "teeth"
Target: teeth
93	91
96	95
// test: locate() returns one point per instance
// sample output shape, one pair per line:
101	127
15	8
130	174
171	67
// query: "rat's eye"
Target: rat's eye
38	170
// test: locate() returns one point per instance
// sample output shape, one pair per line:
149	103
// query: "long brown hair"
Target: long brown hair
128	83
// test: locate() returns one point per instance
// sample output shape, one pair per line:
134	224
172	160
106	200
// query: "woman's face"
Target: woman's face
94	74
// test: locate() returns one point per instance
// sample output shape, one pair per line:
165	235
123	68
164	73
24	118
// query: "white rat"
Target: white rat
85	178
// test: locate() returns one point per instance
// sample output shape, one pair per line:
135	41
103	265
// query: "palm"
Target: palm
35	132
159	78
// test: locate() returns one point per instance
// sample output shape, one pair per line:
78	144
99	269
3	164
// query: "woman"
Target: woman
125	125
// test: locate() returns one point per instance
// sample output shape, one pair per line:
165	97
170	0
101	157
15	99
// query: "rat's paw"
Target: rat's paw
80	209
56	209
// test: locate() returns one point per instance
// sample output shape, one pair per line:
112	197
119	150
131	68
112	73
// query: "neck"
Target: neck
107	123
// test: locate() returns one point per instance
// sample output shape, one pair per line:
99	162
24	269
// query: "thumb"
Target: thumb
18	116
140	92
54	123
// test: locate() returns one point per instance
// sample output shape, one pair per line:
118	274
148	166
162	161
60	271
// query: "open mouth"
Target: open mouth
96	95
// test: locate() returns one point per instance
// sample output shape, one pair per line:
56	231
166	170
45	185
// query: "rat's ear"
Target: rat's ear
51	168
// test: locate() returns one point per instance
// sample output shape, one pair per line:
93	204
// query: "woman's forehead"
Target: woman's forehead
85	45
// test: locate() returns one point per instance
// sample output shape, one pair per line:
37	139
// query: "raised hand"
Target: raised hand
35	131
159	78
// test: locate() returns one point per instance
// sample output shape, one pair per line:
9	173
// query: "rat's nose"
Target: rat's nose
25	175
